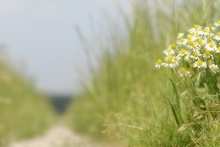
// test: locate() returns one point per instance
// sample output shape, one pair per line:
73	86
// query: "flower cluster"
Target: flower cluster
199	50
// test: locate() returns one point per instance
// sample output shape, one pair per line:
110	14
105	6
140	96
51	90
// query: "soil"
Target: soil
58	136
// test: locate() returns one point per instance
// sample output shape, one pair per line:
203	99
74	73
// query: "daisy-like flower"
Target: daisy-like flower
200	42
182	41
217	24
209	30
199	49
217	37
173	46
210	27
182	52
199	64
176	60
187	57
168	52
203	32
158	63
179	35
195	29
211	46
195	55
191	37
170	62
214	68
183	72
217	50
192	45
207	54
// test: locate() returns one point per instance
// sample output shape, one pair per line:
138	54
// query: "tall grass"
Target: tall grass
23	112
128	98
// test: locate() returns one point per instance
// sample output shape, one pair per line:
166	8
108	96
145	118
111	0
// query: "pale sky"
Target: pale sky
42	34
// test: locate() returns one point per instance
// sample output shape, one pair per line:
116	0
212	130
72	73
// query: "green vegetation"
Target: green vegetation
23	112
132	101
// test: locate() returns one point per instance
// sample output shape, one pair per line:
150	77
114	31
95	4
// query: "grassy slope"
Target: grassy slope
127	93
23	112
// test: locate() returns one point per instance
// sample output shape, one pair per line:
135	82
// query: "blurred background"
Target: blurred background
43	42
49	50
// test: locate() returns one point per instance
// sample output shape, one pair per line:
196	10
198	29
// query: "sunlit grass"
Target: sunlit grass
23	112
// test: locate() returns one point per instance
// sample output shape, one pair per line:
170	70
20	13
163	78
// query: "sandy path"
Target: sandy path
58	136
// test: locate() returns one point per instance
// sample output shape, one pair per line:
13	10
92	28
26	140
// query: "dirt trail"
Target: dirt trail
58	136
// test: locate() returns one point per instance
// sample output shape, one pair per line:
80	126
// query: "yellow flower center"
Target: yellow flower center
189	38
196	26
182	70
170	59
181	40
195	54
197	35
207	52
215	68
209	40
173	46
219	34
183	51
199	63
218	22
200	41
203	31
159	62
169	50
191	43
211	45
218	48
210	25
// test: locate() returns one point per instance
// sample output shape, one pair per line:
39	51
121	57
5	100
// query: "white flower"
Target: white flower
203	32
171	61
214	68
217	24
193	45
217	50
182	72
199	64
209	30
217	37
195	55
187	57
182	53
173	46
207	54
200	42
159	63
210	27
191	37
179	35
168	52
211	46
182	41
195	29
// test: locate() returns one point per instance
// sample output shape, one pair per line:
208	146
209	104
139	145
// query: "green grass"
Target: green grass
23	112
128	98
